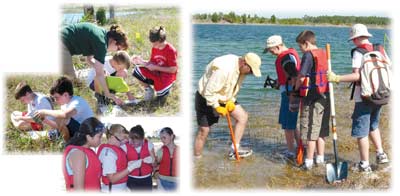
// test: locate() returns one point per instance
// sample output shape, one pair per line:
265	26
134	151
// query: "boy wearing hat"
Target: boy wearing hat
365	116
216	97
287	65
315	112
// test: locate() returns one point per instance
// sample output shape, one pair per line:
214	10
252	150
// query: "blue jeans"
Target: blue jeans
365	119
168	185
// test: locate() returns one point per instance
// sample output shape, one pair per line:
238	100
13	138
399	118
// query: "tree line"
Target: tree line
234	18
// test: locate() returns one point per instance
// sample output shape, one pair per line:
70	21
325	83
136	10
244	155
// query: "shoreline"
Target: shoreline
300	25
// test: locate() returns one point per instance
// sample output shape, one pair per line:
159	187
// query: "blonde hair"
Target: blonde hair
116	129
122	57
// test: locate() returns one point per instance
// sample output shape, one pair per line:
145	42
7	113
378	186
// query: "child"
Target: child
113	158
81	167
74	109
167	158
142	150
365	116
35	101
116	65
287	65
313	86
162	67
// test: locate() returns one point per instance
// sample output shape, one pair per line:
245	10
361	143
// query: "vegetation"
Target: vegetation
101	16
234	18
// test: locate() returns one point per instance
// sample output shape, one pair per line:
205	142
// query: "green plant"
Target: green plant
101	16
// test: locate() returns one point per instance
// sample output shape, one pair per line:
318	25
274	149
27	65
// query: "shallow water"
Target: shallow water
266	168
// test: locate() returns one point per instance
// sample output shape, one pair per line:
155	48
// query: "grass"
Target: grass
137	27
19	141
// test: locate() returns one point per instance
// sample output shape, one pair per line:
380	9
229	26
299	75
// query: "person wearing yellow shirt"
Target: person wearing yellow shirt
216	96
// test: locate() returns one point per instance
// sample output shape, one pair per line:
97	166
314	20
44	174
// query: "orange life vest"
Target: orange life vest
318	77
168	162
132	155
121	162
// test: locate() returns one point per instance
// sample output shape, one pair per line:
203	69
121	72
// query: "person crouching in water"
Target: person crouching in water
167	158
112	156
142	151
81	167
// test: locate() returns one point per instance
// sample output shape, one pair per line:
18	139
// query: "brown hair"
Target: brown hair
122	57
306	36
117	33
136	132
21	90
116	129
157	34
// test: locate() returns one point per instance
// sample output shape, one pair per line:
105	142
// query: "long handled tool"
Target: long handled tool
336	172
228	118
300	147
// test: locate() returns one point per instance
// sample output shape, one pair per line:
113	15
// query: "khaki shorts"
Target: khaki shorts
314	119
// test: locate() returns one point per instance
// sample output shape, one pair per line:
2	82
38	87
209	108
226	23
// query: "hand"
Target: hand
221	110
148	160
332	77
134	165
230	106
137	60
151	67
117	100
39	114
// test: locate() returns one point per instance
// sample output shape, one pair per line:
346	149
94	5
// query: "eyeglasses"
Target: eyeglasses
119	140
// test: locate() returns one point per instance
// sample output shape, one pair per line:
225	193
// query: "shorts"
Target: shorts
206	115
287	119
365	119
167	185
314	119
140	183
162	82
73	127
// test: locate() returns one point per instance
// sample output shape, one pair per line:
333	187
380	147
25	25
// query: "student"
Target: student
287	65
94	42
313	86
216	96
365	116
74	109
160	71
81	167
167	158
142	151
116	65
34	101
114	161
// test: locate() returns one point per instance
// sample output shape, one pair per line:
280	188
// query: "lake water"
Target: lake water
70	18
263	134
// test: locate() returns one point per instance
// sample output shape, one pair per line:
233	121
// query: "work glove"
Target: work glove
148	160
332	77
134	165
230	106
221	110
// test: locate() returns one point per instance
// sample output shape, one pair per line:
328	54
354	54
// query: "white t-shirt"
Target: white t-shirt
107	68
38	103
83	110
150	146
108	158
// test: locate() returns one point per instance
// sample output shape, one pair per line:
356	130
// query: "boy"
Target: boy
160	71
116	65
287	65
312	85
35	101
365	116
74	109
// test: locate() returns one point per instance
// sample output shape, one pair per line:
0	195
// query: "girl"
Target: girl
160	71
81	167
114	161
167	158
141	150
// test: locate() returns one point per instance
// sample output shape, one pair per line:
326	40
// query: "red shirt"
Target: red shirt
165	57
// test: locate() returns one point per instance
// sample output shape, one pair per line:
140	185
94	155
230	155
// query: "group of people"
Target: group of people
304	88
127	161
94	42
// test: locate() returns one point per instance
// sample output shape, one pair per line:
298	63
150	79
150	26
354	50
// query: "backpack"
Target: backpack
375	73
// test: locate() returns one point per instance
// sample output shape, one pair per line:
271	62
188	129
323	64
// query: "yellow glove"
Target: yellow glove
332	77
230	106
221	110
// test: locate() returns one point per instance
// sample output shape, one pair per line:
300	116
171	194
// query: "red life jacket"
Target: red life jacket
319	75
132	155
279	68
92	172
121	163
364	48
168	163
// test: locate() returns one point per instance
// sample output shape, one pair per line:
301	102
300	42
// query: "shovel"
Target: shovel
228	118
335	172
